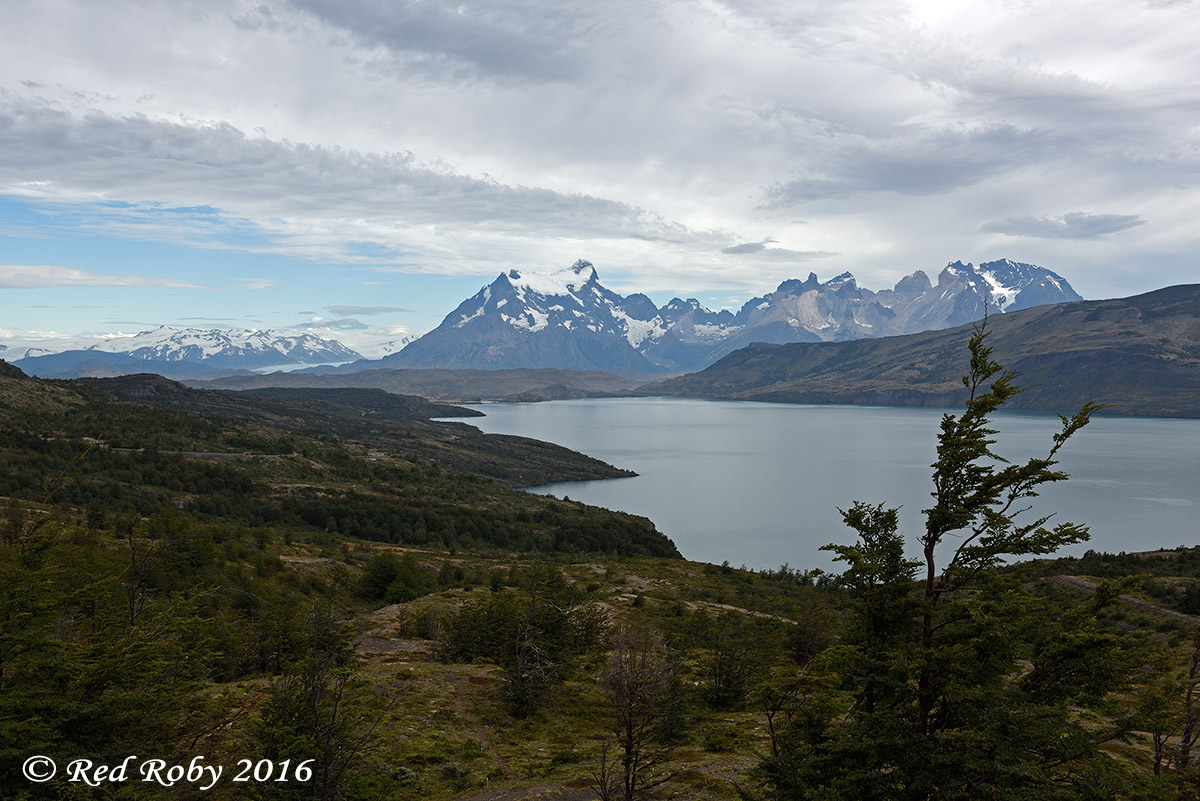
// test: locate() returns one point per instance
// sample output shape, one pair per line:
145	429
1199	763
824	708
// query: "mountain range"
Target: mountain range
1137	356
187	353
569	319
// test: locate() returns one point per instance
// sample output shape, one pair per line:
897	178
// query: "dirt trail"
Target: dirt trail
1089	586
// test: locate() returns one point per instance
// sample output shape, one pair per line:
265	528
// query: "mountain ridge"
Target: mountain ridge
1137	355
187	353
569	319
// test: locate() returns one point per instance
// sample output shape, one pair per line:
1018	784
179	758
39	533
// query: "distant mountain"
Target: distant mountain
98	364
1139	355
186	353
568	319
394	345
563	319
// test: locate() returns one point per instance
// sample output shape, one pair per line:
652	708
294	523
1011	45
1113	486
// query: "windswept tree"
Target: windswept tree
955	681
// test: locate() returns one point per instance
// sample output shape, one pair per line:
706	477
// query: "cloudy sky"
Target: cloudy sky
363	165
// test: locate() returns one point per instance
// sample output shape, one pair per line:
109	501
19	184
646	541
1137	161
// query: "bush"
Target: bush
395	579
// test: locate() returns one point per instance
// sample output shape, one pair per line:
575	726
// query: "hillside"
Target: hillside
455	386
377	420
1139	355
253	461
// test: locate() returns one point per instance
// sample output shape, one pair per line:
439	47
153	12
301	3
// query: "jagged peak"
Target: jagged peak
1017	268
796	285
678	306
956	271
1008	262
910	286
919	276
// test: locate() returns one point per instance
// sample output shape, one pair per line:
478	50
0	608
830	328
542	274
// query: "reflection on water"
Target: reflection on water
760	483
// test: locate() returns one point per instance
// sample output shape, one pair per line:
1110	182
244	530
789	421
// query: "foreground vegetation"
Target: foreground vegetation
175	584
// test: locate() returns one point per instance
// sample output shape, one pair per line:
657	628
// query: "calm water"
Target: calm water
760	483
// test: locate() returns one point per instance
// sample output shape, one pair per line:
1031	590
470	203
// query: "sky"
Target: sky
359	167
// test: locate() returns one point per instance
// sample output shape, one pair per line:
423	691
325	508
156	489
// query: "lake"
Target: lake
760	483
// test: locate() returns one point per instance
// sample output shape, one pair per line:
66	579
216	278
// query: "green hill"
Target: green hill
377	420
319	463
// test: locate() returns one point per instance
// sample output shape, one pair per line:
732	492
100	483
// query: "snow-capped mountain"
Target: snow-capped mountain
189	352
569	319
233	348
524	319
394	345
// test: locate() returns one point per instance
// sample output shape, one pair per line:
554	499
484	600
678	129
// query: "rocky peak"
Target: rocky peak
912	286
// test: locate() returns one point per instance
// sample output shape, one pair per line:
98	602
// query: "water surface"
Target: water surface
760	483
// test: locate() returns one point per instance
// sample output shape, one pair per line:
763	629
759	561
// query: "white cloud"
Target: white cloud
256	284
22	276
1075	225
211	184
364	310
662	140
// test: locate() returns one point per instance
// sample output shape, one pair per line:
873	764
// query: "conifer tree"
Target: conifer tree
955	681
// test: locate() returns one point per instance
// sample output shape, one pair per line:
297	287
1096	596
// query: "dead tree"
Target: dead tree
639	685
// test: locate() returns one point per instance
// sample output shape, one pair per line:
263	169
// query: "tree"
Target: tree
313	714
956	681
741	648
142	557
1174	723
533	634
639	685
